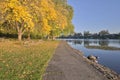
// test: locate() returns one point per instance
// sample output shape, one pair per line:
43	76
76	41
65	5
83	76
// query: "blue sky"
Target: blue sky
96	15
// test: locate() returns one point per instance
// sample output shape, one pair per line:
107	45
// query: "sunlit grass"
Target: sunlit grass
25	60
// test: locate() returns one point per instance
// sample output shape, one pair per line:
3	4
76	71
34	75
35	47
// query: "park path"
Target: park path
67	64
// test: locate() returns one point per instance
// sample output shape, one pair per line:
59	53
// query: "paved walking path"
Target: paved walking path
66	64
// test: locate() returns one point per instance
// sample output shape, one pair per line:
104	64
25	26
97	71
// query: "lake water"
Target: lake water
108	57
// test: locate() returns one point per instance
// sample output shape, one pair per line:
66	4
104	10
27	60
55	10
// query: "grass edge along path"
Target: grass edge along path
25	60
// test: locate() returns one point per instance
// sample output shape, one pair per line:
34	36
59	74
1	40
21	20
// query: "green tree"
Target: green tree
103	32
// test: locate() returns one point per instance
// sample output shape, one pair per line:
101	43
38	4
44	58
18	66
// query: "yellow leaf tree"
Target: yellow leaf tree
52	18
48	18
47	14
17	15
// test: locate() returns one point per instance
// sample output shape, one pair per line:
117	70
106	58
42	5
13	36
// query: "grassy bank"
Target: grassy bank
25	60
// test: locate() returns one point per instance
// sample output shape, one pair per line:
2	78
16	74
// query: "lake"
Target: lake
108	51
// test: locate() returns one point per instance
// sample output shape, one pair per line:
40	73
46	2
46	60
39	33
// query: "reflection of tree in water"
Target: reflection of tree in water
77	42
95	42
69	40
119	41
86	42
103	42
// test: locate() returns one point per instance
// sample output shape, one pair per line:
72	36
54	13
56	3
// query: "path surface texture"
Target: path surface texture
67	64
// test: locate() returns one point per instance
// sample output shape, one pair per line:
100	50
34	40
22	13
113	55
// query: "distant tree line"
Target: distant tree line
103	34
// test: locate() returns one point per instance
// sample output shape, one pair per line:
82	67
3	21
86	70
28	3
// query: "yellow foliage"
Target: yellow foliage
45	27
24	14
47	9
48	13
18	13
1	29
61	21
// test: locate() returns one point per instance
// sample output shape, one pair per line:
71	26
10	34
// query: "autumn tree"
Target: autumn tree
17	15
47	18
66	11
44	15
69	29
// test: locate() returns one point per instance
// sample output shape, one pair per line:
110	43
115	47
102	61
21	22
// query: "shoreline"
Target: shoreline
70	64
107	72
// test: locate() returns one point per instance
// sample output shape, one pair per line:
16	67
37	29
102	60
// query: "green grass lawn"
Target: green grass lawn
25	60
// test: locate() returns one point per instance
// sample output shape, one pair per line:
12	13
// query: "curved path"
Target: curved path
67	64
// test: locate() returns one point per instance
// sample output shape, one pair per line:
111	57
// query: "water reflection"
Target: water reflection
86	42
96	42
75	41
107	50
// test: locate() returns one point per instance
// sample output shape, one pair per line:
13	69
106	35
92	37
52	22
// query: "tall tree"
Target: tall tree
67	12
43	17
18	15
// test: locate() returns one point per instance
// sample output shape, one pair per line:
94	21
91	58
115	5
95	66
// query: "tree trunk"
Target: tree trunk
20	30
19	36
28	36
53	37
